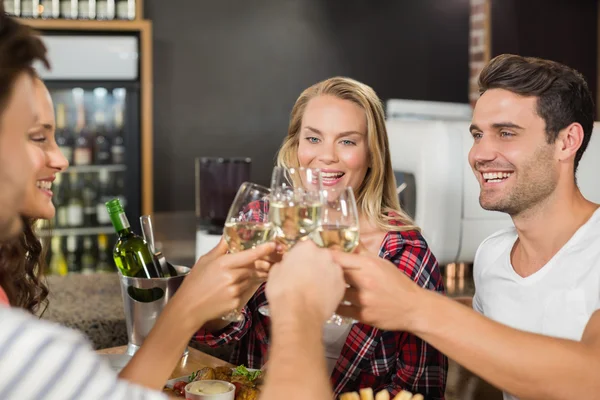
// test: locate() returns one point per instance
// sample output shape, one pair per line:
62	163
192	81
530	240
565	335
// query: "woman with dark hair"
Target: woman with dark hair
22	260
44	360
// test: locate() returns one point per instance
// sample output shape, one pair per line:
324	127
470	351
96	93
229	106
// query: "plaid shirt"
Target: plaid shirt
370	357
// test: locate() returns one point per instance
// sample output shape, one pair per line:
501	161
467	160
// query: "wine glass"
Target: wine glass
296	202
247	224
295	207
338	229
338	225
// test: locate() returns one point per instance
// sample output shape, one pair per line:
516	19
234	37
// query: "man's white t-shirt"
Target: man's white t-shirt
558	300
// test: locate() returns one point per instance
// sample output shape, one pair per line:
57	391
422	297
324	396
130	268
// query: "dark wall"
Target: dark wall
228	72
561	30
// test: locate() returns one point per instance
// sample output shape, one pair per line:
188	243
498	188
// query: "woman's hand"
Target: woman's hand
218	281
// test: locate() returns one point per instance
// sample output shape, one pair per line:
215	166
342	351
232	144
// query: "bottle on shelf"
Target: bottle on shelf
104	195
68	9
119	186
125	9
82	154
88	258
87	9
105	9
75	215
61	190
58	263
63	135
30	8
117	149
72	256
13	7
131	254
50	9
90	198
104	263
102	147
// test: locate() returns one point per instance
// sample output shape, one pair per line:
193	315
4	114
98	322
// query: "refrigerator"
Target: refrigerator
95	88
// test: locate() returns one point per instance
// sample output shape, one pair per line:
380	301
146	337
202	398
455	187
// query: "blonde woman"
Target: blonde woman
338	126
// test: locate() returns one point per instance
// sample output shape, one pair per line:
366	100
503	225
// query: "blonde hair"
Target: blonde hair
376	197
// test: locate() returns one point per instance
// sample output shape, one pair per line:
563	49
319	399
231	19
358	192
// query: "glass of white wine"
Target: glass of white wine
295	206
247	224
296	202
338	229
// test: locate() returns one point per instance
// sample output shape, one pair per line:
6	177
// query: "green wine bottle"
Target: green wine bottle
131	252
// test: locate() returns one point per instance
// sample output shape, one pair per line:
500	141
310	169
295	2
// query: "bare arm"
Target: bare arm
218	324
464	300
303	291
155	360
212	288
261	272
297	369
524	364
527	365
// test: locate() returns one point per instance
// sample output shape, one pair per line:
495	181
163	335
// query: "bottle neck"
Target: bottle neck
121	223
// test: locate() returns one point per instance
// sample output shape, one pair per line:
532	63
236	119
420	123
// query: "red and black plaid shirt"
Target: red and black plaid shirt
370	357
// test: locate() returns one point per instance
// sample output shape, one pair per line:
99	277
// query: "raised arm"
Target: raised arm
212	288
524	364
303	292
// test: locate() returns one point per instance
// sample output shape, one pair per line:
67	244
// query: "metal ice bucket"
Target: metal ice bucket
143	301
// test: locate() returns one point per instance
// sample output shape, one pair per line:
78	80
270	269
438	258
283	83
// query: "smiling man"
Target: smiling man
537	283
531	127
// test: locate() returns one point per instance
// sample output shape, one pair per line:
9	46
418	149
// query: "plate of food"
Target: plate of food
246	380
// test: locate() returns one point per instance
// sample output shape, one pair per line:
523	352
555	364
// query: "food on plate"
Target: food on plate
209	387
223	374
243	373
244	380
404	395
246	393
367	394
383	395
349	396
204	374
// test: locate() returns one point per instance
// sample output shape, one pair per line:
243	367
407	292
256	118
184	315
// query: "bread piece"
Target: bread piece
418	396
366	394
383	395
349	396
403	395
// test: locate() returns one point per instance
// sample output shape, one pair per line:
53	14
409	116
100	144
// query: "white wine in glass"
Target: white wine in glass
296	203
338	229
247	224
338	225
246	235
295	206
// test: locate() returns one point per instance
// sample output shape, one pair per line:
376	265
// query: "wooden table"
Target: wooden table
193	361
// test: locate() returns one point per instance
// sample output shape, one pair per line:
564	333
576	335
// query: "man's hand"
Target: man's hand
217	282
380	294
306	280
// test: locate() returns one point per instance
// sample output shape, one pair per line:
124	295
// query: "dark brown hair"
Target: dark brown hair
562	92
19	48
22	260
22	267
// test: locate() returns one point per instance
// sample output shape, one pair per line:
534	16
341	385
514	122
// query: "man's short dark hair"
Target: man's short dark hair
19	48
562	92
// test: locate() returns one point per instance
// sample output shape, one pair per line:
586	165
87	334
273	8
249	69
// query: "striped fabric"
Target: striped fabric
40	360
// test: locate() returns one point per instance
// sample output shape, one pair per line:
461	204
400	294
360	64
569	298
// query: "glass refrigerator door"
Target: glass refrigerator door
98	131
